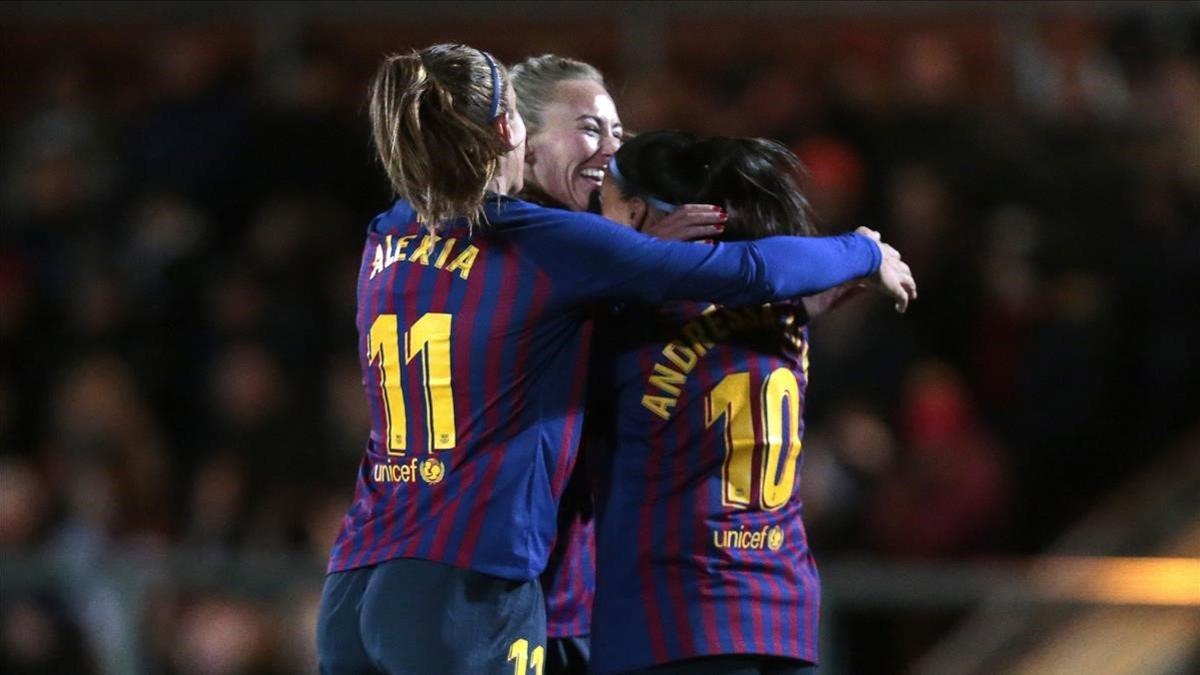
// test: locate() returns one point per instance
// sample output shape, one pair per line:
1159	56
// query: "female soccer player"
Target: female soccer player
473	348
573	132
701	553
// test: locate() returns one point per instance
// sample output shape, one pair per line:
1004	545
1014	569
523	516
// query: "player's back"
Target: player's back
474	371
700	545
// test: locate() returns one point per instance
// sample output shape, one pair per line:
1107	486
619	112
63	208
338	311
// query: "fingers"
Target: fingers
869	233
700	210
691	232
896	279
691	221
907	288
699	215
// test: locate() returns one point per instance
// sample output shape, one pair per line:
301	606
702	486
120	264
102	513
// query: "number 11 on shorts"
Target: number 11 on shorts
524	660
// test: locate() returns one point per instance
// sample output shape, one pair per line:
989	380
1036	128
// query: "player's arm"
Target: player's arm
597	259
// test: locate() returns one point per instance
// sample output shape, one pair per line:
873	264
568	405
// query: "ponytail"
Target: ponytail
432	114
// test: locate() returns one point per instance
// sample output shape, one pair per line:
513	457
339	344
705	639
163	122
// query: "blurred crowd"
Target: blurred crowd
182	223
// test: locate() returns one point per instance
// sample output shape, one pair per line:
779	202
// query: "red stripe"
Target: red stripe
798	610
583	568
811	608
674	524
462	337
478	511
366	305
366	315
654	613
812	591
778	583
494	402
537	304
565	460
784	582
709	452
754	578
405	496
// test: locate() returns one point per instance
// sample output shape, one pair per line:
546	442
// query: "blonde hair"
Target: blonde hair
534	80
432	112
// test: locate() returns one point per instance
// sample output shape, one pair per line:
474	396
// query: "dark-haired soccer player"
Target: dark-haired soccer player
702	559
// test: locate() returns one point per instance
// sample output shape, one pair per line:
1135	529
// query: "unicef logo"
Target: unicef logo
432	470
775	538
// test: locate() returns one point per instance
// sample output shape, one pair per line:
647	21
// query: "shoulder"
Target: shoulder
399	215
511	214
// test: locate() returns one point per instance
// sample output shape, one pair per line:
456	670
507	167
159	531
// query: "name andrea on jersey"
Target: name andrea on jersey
680	356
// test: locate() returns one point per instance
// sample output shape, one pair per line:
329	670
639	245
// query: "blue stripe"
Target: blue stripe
419	432
378	302
390	295
715	369
769	563
519	465
477	379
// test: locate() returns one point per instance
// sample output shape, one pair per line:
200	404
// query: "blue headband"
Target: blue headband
494	111
615	173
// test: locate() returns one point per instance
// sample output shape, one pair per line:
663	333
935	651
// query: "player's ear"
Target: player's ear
504	129
639	212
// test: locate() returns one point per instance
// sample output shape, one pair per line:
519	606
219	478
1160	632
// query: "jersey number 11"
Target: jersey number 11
429	337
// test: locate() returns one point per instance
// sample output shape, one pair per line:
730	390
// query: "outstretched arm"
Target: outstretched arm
597	259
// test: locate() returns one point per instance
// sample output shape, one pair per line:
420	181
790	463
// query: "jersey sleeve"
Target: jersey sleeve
594	258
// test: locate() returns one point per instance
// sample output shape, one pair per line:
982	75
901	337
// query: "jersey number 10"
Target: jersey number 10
429	337
733	399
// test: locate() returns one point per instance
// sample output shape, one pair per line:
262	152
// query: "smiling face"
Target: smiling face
580	132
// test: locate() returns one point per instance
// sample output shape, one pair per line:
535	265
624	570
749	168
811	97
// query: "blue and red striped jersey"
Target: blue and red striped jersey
700	545
473	345
569	582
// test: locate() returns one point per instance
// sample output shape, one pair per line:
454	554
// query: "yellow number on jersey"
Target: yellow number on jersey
781	388
732	399
429	336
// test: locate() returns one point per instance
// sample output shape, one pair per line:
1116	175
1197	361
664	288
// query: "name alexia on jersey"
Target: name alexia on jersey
426	252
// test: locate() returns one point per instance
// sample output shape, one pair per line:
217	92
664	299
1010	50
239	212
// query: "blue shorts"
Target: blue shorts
416	616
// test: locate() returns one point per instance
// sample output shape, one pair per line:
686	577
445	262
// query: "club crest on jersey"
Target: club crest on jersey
432	470
775	538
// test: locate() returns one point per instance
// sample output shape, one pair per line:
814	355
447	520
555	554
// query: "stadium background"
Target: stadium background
1005	479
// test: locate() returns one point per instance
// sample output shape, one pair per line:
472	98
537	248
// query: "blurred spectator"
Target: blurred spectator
835	181
947	492
107	451
221	637
23	506
1068	77
36	638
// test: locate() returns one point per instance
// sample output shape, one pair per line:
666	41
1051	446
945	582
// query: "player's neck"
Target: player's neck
510	177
